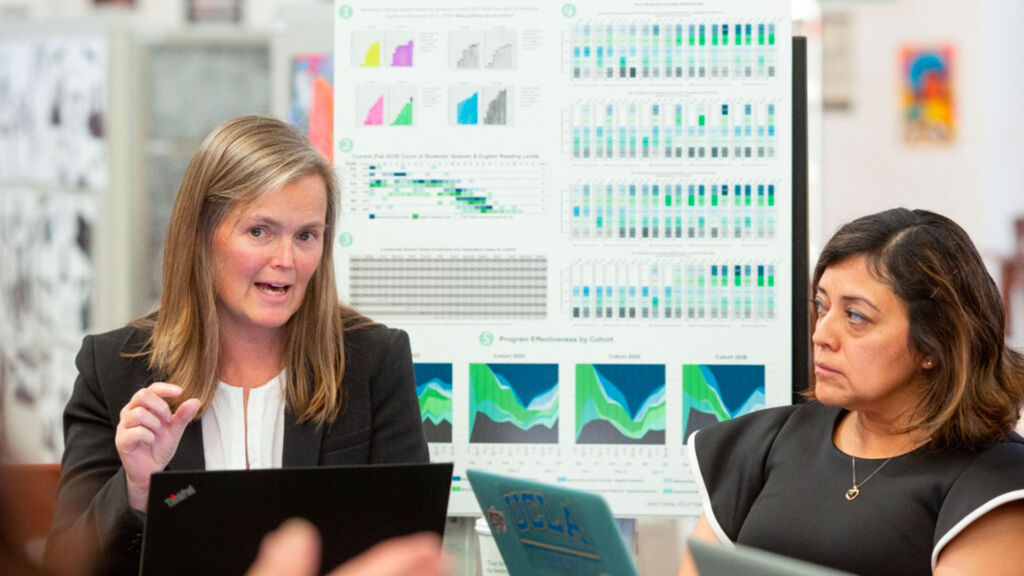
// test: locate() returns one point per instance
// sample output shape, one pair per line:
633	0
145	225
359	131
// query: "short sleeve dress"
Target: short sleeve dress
774	480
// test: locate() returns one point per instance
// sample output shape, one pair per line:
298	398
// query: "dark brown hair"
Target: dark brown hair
972	395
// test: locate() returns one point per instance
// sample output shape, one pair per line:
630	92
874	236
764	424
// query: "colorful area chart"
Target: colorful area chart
717	392
620	404
434	389
513	403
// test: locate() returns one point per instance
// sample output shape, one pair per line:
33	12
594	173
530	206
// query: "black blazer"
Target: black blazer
379	422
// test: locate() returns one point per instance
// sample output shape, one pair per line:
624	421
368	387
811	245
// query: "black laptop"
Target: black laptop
212	522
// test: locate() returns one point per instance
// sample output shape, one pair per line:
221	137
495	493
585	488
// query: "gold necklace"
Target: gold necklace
854	490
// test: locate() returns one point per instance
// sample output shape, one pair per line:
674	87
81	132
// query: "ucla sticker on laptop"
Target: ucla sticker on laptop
548	530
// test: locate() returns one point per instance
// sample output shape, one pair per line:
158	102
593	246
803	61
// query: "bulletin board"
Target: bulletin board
54	174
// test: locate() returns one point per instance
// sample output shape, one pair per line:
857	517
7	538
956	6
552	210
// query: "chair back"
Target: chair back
30	496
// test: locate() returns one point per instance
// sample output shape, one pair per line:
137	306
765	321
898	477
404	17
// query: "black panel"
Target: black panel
801	277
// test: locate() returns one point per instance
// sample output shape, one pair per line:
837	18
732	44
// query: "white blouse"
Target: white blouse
225	433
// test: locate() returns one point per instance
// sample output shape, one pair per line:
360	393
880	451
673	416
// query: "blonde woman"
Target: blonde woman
250	361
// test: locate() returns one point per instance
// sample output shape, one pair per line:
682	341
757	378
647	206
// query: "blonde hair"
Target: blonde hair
241	161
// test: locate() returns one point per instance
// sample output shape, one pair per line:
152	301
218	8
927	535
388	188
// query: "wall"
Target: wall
866	165
1004	93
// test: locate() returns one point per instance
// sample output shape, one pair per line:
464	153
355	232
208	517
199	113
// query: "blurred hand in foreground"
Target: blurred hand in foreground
294	550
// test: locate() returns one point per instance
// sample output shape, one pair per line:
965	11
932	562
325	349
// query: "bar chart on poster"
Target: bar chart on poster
581	214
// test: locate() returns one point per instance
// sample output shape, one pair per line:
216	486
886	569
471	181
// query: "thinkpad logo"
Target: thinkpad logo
176	498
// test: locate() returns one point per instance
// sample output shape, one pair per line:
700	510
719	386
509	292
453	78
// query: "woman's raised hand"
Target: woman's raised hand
148	435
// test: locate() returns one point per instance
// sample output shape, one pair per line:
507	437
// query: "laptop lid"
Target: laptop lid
716	560
547	530
212	522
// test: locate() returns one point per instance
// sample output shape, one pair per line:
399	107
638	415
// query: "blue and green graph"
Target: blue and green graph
717	392
481	105
513	403
468	110
620	404
434	389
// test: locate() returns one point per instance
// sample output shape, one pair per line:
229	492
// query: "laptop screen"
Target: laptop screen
212	522
715	560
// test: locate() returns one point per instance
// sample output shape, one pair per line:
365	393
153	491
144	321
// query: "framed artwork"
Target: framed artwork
53	99
72	87
232	79
20	109
46	284
928	99
229	11
224	80
311	105
838	49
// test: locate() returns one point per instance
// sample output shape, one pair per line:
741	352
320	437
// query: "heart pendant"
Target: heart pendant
852	493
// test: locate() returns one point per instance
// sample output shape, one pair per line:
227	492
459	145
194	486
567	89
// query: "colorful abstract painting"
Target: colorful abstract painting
311	105
929	113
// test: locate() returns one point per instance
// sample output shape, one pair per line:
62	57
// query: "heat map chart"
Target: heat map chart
434	389
667	212
620	404
717	392
696	48
513	403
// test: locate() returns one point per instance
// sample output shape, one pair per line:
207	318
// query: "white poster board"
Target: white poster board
580	212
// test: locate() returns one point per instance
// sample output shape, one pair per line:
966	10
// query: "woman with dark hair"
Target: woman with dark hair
250	361
904	461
